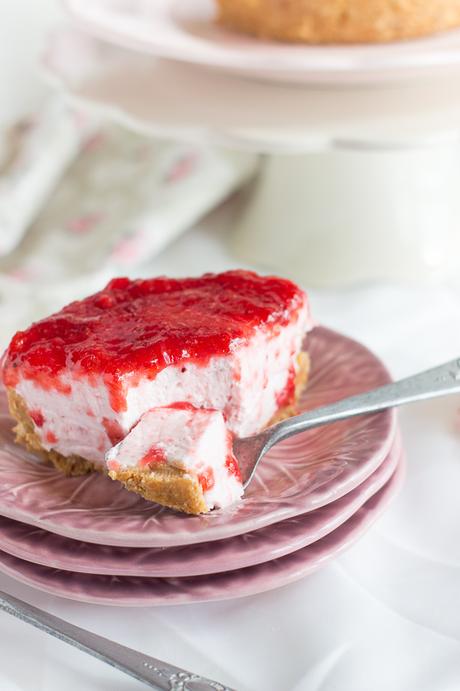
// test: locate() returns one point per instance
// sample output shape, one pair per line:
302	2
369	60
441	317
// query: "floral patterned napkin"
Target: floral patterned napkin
81	196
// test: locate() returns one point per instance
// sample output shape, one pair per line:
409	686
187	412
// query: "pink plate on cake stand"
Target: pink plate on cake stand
305	472
134	591
188	32
48	549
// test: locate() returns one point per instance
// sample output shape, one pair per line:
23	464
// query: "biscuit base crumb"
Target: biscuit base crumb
166	485
336	21
26	436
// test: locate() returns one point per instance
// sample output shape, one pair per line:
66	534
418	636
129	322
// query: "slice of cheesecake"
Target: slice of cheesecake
79	380
179	456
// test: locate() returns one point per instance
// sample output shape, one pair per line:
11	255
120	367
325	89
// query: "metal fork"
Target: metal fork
439	381
155	673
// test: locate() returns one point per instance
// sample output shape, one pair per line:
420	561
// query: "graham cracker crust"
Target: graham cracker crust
339	21
26	436
166	485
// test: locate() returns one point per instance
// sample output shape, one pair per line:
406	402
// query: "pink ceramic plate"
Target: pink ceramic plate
297	476
134	591
48	549
306	472
187	31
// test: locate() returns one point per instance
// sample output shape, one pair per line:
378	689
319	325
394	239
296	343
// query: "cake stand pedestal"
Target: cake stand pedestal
342	216
356	183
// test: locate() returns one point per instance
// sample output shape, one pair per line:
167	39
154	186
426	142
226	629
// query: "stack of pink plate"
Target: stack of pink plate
88	539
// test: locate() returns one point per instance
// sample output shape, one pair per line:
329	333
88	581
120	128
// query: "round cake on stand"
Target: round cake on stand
360	146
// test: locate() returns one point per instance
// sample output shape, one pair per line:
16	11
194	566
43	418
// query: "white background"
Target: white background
386	615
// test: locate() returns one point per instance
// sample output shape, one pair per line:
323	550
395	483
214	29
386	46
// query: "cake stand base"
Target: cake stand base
338	217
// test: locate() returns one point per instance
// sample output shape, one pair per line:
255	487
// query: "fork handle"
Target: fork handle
155	673
438	381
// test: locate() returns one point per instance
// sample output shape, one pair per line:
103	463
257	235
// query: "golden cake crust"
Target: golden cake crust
26	436
339	21
165	484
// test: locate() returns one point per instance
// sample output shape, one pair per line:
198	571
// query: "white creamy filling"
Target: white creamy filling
244	385
196	441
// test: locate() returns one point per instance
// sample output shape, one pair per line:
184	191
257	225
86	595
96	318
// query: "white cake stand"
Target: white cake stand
356	184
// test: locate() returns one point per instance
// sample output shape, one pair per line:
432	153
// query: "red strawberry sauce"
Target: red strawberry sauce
154	455
133	329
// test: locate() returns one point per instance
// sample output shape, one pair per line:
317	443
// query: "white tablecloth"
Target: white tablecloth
384	616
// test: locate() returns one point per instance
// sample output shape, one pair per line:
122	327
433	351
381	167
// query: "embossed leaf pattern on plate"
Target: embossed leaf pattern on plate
135	591
48	549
